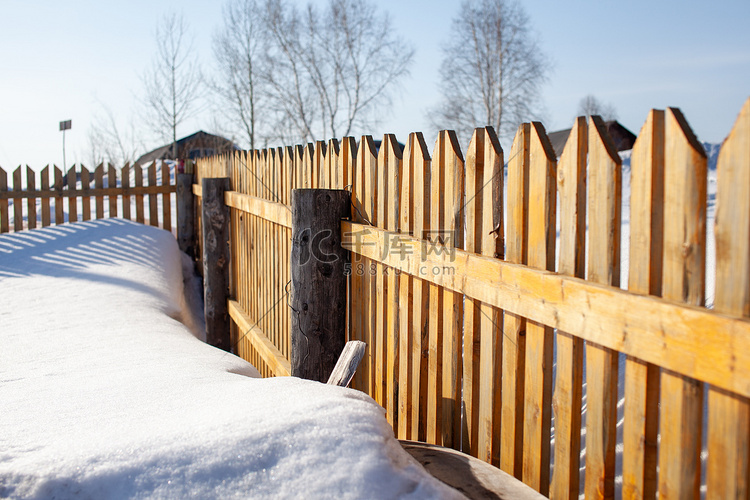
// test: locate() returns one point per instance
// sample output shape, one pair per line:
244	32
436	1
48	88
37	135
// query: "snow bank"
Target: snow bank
106	394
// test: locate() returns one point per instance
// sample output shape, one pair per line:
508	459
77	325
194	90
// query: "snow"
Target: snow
107	393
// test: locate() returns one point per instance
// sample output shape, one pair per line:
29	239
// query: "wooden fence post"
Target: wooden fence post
319	277
186	214
215	223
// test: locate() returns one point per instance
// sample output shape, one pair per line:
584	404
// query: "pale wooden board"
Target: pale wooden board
86	200
646	257
514	326
681	416
539	340
73	192
31	202
405	283
728	467
571	183
4	220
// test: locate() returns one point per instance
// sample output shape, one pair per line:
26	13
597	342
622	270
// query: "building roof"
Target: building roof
622	138
201	141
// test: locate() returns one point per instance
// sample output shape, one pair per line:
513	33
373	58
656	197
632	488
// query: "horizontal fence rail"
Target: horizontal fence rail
62	197
487	287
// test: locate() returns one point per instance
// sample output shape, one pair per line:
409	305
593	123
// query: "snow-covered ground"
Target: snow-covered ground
105	391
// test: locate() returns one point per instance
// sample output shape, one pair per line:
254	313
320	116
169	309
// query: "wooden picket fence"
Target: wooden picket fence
71	194
479	334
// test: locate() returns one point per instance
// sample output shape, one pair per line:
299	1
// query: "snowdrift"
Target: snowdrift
107	393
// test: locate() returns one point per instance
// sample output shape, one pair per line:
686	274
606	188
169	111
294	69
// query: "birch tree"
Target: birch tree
492	70
173	83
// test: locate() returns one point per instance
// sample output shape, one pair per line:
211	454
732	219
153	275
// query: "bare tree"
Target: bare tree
331	72
239	53
110	141
492	70
173	83
590	105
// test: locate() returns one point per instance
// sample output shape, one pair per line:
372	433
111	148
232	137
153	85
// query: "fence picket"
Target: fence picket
405	302
604	206
125	182
567	398
46	213
685	184
514	327
31	201
646	254
447	231
99	183
112	183
138	173
484	235
330	176
58	187
153	207
72	195
85	199
539	340
4	221
17	202
728	471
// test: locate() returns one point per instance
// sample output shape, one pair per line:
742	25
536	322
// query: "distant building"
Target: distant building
622	137
194	146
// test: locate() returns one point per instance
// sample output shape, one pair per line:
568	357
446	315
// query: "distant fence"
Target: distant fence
61	197
465	306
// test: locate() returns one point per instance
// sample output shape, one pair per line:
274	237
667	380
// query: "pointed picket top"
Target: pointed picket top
308	162
287	165
317	177
31	202
329	174
364	189
571	180
389	166
416	160
4	222
728	433
448	163
347	160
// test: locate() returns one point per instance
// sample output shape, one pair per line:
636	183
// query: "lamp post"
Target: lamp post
65	125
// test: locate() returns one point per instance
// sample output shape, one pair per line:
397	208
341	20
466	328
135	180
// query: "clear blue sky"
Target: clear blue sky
58	59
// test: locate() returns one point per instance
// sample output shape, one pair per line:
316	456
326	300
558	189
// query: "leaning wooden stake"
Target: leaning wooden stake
215	223
318	281
185	214
347	364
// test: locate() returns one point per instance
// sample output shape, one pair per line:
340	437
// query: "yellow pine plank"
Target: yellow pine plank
275	212
685	184
389	161
347	159
567	398
330	173
31	202
266	351
514	326
728	469
73	198
380	219
166	198
58	187
318	178
4	219
604	206
368	166
452	233
86	200
419	165
153	209
17	203
46	213
484	188
640	427
405	303
539	340
139	216
356	303
112	183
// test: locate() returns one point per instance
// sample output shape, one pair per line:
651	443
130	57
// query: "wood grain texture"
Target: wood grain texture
681	417
539	340
640	431
31	202
4	218
17	203
514	326
728	467
567	398
86	199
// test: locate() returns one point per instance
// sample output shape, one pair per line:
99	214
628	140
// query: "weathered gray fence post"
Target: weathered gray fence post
215	222
186	214
319	277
